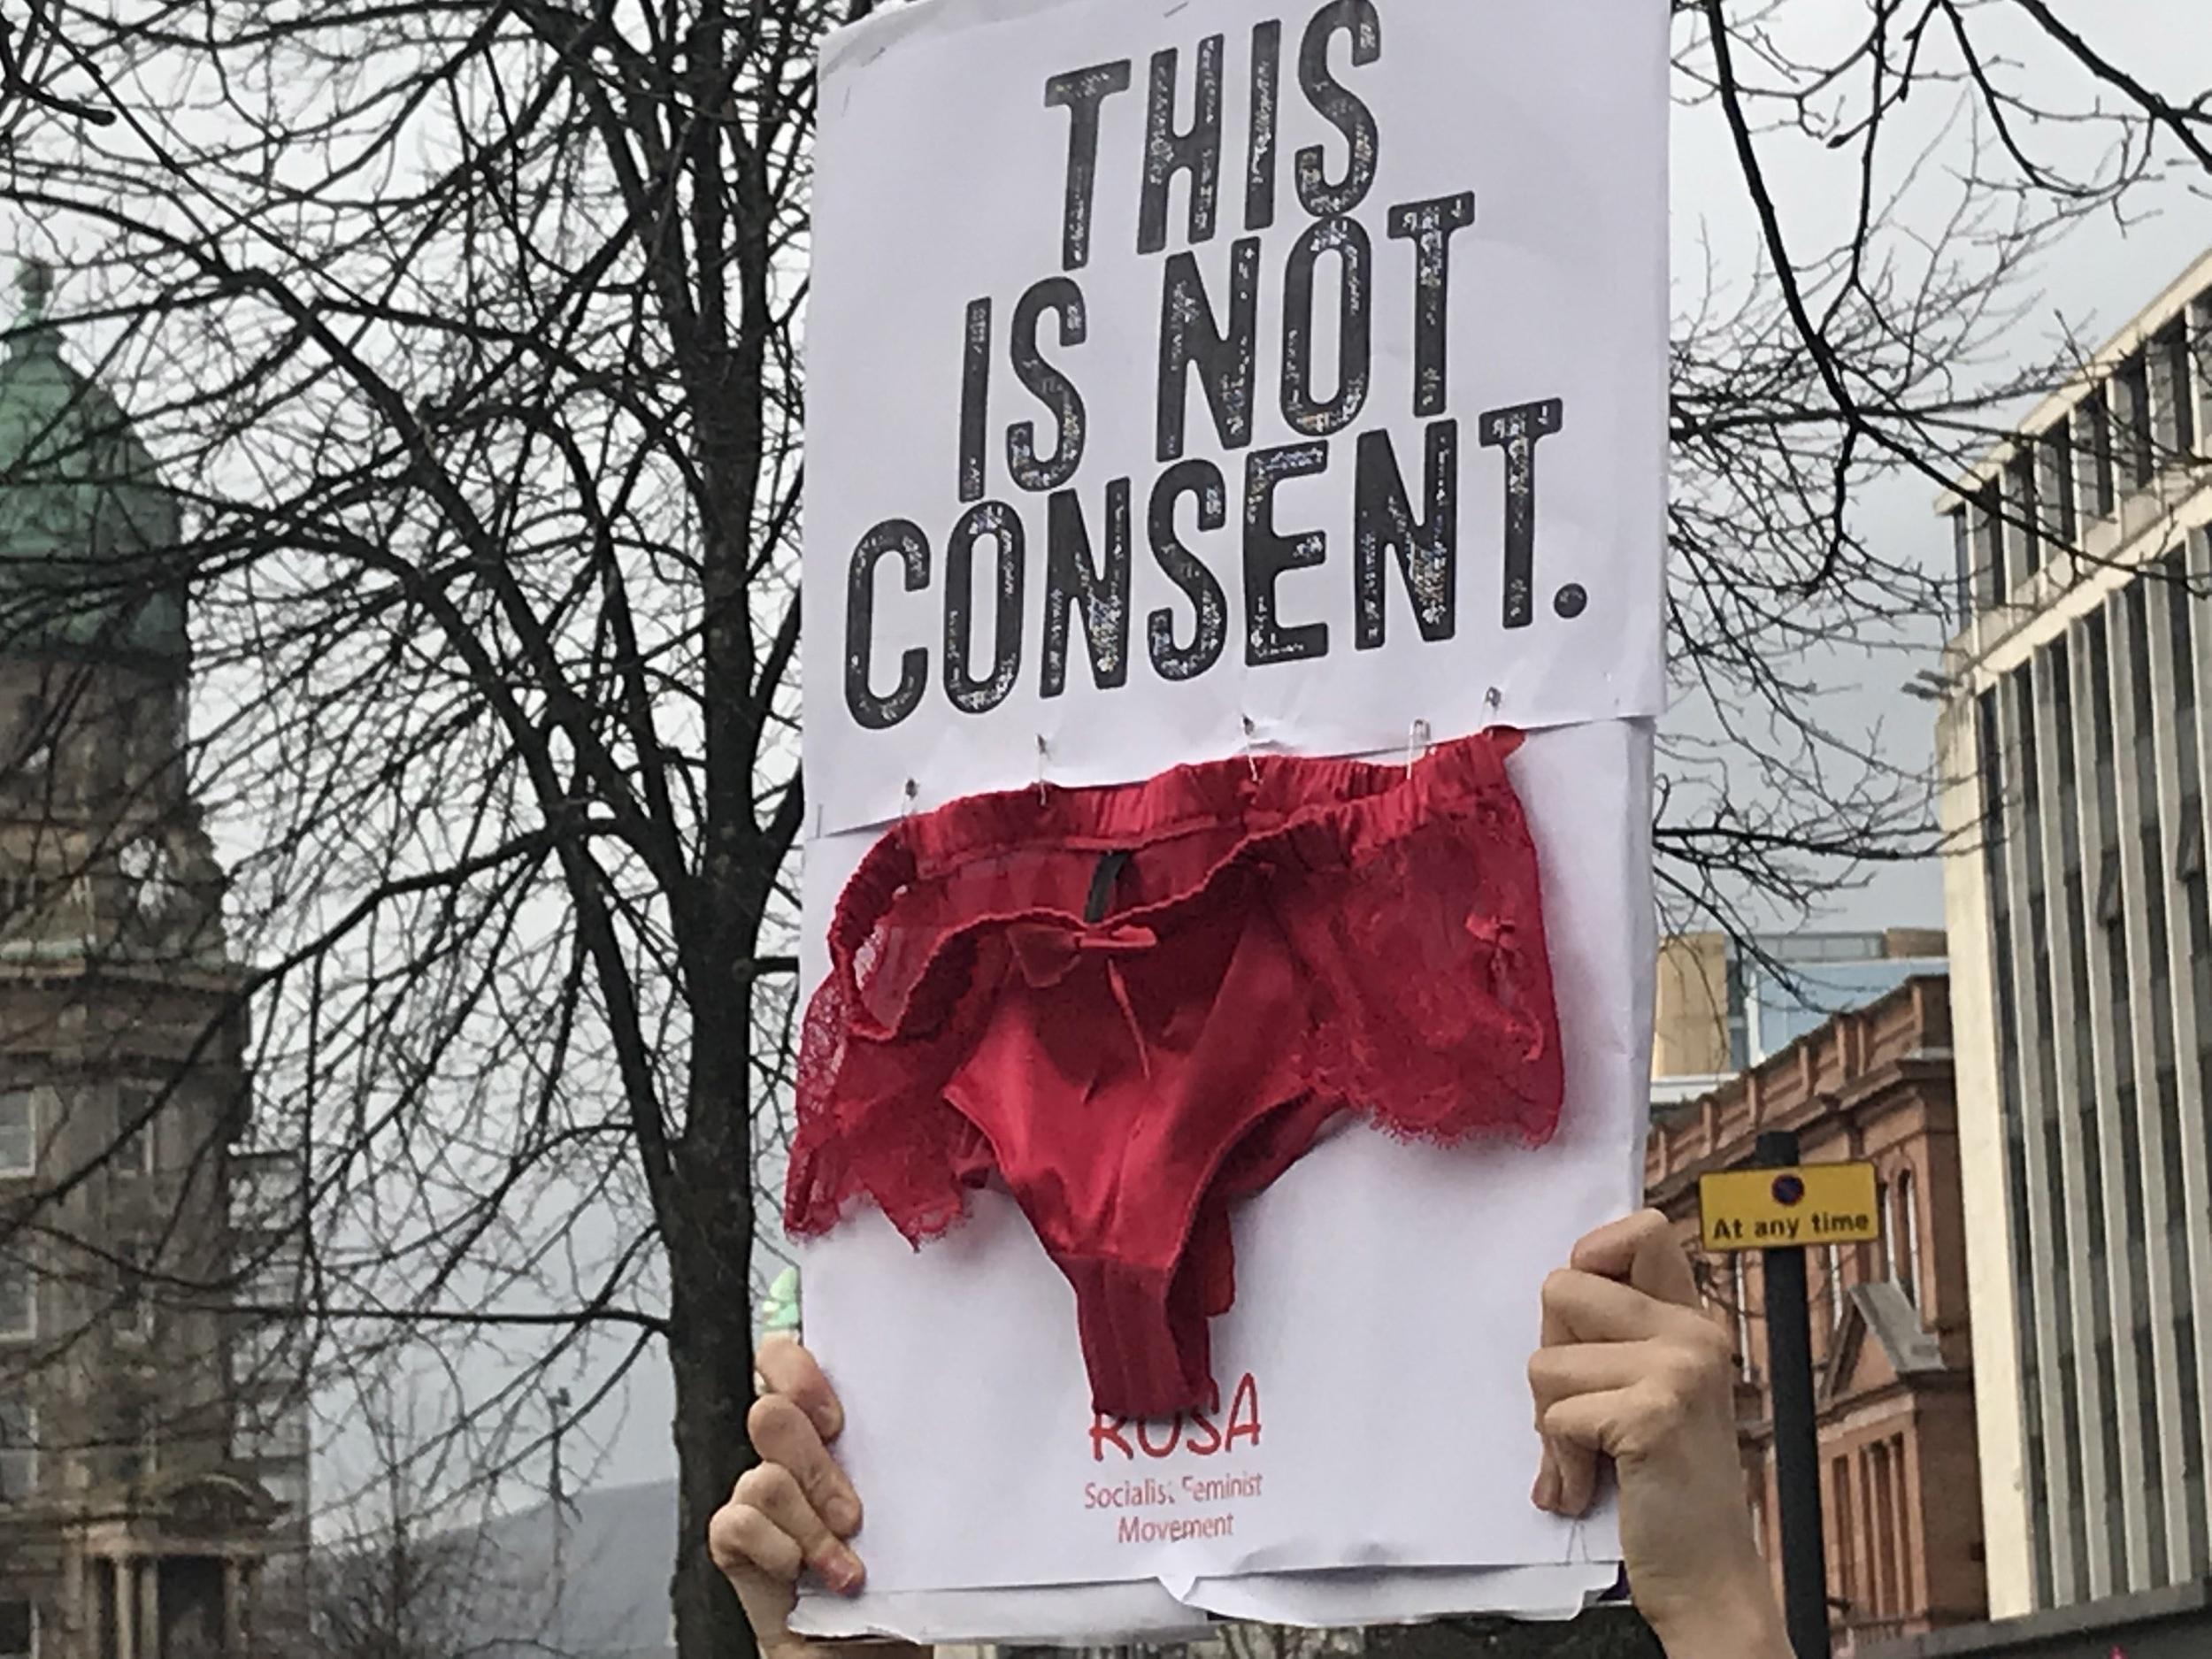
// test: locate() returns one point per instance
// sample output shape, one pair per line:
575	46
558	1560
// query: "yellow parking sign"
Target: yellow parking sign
1779	1209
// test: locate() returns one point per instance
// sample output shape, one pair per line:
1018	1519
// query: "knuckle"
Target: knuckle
1654	1410
1543	1371
726	1535
771	1418
765	1486
1709	1361
1557	1285
1561	1427
1685	1381
1720	1348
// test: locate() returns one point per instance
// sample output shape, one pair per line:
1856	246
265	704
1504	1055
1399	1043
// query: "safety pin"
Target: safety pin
1251	733
1044	791
1417	745
913	794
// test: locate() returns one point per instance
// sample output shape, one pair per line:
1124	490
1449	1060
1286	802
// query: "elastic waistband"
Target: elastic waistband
1264	795
1260	791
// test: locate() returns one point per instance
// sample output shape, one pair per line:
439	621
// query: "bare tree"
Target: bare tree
412	1579
466	333
35	59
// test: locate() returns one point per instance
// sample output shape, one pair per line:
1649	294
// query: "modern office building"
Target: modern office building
1892	1347
153	1454
2074	753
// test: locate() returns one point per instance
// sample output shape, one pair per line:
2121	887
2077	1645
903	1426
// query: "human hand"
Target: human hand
794	1511
1632	1370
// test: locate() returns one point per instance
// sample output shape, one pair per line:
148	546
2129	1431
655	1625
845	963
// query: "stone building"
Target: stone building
152	1458
2074	748
1892	1346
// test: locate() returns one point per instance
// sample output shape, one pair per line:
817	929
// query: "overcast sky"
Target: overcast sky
2094	282
2083	290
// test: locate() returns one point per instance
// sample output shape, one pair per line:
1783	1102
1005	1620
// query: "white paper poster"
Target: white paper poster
1182	377
1213	378
1373	1369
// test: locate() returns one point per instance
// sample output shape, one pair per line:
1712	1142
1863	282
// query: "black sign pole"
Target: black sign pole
1796	1432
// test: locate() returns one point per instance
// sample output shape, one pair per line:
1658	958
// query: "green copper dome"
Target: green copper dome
89	533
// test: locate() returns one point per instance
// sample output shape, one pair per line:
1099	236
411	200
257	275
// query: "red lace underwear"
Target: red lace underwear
1137	1006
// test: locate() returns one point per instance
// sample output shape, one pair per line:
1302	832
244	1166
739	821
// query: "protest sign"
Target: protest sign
1374	1402
1184	377
1228	377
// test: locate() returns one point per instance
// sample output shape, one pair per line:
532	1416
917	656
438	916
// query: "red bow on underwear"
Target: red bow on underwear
1048	952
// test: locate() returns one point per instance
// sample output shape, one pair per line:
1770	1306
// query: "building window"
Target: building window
2022	494
2059	485
1740	1314
1738	993
136	1114
2154	1447
22	897
19	1451
2177	409
1989	520
1962	558
2108	1415
18	1629
1835	1287
2192	1481
35	737
18	1301
134	1299
136	1450
18	1133
1843	1533
1882	1501
2093	442
2138	440
1908	1197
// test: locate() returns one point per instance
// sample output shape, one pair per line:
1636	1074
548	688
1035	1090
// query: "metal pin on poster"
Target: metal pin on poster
1417	745
1044	790
1251	759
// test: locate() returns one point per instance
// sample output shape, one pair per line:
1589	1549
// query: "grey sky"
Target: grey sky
2102	273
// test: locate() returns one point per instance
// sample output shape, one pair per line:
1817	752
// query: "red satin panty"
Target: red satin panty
1139	1006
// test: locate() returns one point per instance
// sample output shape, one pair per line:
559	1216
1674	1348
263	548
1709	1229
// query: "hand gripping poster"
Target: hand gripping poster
1233	562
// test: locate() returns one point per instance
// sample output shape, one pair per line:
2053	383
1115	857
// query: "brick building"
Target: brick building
1891	1342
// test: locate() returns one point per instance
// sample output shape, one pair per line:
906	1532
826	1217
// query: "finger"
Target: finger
1590	1424
1642	1250
772	1489
744	1541
1567	1482
762	1564
788	1370
1581	1306
1587	1368
783	1433
1545	1493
